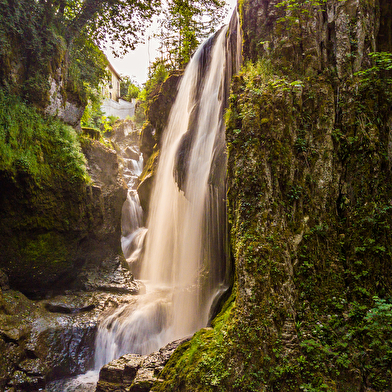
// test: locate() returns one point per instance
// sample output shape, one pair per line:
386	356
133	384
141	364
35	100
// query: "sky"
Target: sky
135	63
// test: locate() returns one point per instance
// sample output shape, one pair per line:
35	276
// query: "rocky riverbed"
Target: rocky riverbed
53	338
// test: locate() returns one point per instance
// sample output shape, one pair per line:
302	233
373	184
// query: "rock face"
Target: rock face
37	344
308	136
52	339
157	116
135	373
49	232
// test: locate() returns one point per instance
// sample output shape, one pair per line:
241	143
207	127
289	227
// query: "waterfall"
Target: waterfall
133	232
184	264
177	254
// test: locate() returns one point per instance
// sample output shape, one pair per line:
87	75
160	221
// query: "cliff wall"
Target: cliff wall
309	135
56	215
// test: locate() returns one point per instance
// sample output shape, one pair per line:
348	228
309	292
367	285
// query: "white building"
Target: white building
112	104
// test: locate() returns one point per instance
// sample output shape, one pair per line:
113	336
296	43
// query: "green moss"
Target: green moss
37	148
309	211
43	179
204	354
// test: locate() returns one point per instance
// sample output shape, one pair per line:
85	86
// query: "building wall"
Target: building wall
111	90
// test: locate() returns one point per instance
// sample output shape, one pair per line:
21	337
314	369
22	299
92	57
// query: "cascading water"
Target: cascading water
177	253
133	232
184	264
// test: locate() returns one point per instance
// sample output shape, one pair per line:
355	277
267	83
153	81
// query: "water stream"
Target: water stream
182	252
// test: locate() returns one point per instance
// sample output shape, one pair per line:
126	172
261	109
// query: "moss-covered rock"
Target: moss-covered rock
52	220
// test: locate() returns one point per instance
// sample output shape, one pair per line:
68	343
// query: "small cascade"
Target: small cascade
133	232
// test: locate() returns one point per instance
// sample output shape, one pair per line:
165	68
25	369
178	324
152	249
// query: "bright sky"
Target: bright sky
135	63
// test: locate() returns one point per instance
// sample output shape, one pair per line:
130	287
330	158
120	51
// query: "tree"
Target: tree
40	40
185	24
129	88
120	21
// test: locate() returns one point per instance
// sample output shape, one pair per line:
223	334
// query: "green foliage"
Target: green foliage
184	25
36	148
86	71
107	123
129	89
158	73
133	92
378	78
32	45
42	41
92	115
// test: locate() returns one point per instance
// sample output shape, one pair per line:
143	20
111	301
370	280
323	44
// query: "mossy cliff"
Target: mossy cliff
157	113
309	135
58	210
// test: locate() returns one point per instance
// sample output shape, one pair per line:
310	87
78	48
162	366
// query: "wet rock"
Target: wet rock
11	354
33	367
65	344
131	153
67	310
135	373
111	275
23	382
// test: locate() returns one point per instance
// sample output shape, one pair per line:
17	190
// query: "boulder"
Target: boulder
135	373
119	372
143	381
131	153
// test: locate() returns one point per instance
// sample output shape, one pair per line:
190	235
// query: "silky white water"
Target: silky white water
183	249
174	254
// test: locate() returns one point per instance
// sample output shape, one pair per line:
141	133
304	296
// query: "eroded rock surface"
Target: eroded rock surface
135	373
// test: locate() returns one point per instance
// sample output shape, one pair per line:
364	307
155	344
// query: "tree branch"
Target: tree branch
88	12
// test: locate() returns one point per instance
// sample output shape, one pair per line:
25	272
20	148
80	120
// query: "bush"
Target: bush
41	149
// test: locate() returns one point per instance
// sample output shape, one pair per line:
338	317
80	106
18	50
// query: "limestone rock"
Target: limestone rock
136	373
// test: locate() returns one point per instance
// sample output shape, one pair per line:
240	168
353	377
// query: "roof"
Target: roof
110	66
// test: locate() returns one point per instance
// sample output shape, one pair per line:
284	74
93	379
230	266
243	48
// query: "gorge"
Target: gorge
304	252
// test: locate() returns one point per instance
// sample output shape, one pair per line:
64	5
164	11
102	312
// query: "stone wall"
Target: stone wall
121	109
